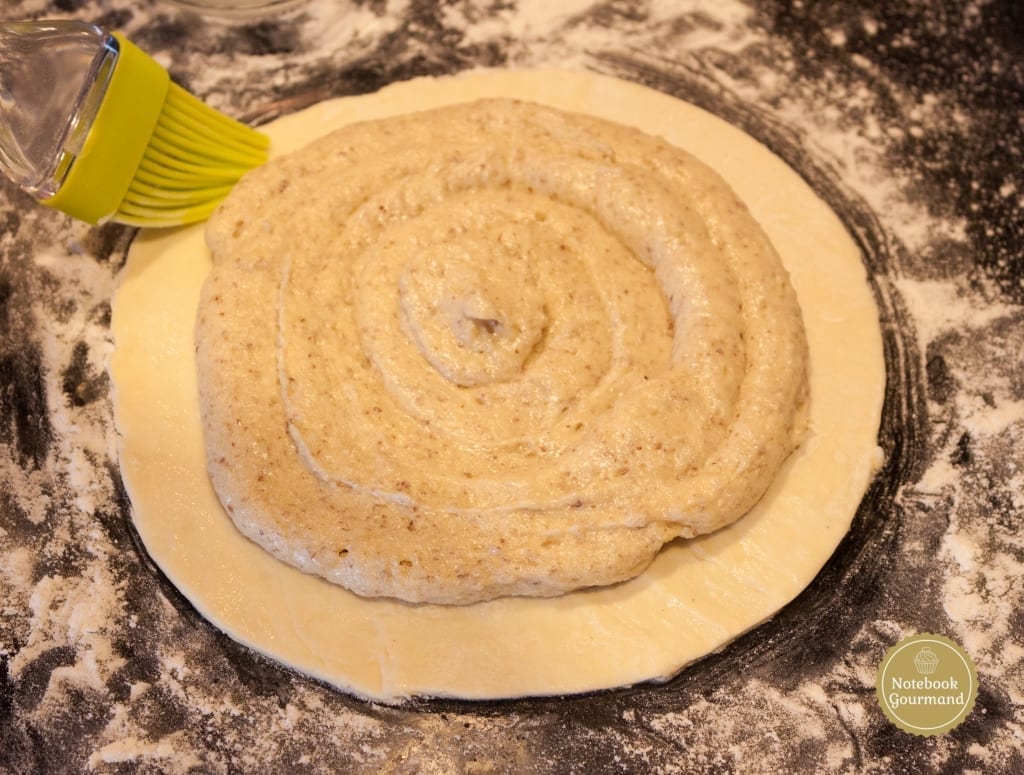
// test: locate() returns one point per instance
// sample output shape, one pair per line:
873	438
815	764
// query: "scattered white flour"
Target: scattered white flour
977	437
73	591
77	612
942	306
166	752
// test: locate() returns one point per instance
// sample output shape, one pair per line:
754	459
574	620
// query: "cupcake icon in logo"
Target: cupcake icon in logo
926	661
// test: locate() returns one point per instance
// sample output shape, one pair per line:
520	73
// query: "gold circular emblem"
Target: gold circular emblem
926	684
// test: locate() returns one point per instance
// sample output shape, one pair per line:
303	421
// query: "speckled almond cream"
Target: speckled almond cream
492	349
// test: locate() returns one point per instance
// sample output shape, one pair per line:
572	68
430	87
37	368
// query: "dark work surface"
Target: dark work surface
907	118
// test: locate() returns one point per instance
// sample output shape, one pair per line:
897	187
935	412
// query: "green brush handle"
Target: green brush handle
99	179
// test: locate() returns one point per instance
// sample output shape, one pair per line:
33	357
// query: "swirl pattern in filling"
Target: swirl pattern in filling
492	349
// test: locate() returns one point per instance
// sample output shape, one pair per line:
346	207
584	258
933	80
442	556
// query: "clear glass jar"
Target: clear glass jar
236	8
53	75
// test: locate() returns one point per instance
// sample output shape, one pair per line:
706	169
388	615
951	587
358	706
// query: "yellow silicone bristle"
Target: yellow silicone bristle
155	155
194	157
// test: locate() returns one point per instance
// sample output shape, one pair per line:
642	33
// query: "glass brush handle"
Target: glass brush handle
53	76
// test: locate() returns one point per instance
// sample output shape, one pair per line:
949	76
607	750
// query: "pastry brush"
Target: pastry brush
92	126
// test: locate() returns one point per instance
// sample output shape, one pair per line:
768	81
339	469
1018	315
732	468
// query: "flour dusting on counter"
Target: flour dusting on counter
904	117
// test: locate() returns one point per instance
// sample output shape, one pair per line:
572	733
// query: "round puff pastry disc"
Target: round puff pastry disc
697	595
